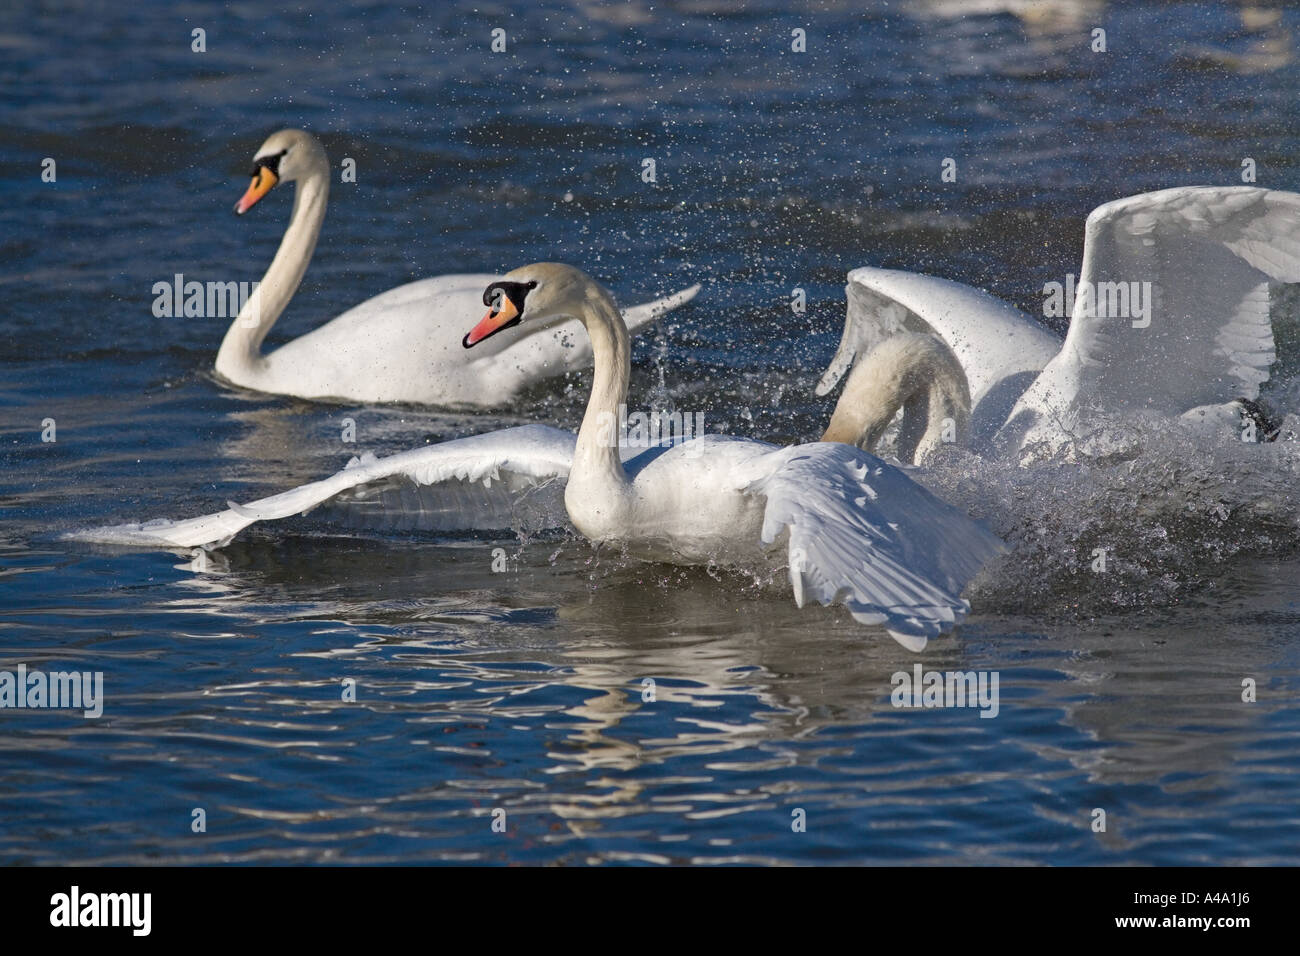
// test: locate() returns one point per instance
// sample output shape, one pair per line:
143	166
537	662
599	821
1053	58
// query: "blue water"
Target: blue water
523	691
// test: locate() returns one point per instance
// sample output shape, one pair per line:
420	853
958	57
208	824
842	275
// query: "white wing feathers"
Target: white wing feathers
1000	348
448	486
863	534
991	339
1207	254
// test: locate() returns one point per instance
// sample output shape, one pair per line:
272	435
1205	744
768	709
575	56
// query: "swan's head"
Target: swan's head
284	157
542	293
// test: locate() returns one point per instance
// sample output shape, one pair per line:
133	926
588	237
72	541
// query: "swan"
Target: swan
395	347
855	530
1200	259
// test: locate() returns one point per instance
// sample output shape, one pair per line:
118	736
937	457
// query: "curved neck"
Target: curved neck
241	349
596	456
916	373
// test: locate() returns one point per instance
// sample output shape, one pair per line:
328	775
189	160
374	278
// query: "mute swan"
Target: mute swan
1198	258
859	532
396	347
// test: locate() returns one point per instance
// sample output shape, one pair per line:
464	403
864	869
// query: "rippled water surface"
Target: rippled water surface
525	690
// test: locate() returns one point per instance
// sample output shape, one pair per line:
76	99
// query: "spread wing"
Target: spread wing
1205	254
483	482
863	534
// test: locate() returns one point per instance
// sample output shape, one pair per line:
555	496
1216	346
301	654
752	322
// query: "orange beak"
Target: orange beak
262	182
496	320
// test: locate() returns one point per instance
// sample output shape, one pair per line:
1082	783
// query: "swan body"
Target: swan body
856	530
1203	254
401	345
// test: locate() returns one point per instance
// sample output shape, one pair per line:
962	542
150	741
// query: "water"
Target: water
524	690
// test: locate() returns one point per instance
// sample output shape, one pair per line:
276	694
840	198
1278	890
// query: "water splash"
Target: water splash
1152	528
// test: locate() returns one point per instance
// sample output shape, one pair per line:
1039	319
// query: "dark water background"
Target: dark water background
523	691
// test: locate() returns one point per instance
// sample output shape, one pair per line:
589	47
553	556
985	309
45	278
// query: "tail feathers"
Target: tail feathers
640	315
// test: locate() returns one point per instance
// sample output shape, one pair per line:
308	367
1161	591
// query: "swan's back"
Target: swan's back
384	349
849	527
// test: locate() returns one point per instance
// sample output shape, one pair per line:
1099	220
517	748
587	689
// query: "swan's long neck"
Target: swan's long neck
916	373
597	447
596	493
241	351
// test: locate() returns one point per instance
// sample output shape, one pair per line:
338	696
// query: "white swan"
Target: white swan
396	347
856	530
1201	258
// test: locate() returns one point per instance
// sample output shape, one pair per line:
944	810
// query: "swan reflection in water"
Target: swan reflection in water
745	684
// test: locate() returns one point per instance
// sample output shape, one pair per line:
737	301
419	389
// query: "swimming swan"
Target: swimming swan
855	530
1194	343
396	347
